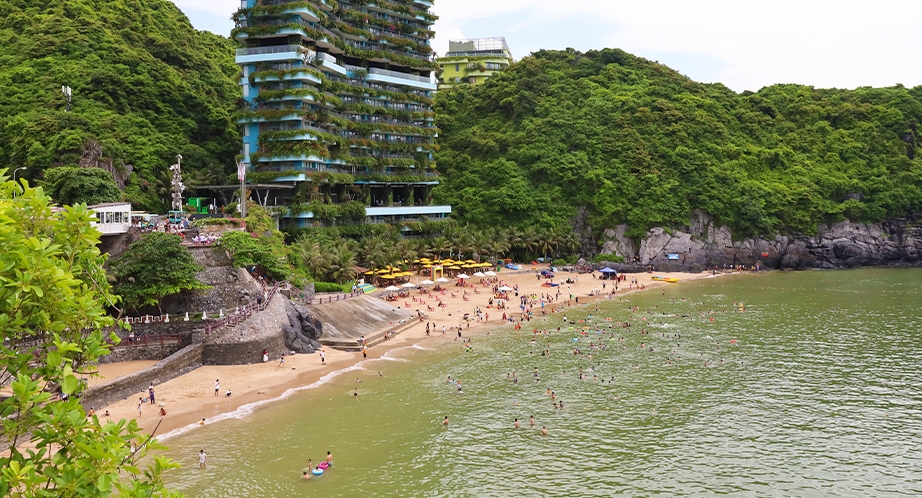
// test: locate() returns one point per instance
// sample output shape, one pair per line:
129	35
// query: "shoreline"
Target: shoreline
190	398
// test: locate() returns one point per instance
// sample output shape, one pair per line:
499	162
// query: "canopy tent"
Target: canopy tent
608	270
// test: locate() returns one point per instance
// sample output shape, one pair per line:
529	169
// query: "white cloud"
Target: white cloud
745	44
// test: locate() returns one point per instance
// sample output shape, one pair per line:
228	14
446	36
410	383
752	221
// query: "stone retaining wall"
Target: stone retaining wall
141	353
179	363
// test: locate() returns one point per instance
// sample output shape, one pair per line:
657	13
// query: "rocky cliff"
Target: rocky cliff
839	245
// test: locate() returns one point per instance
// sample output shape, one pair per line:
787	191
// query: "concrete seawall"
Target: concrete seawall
179	363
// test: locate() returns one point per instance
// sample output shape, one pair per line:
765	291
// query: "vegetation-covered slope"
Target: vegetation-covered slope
634	142
146	86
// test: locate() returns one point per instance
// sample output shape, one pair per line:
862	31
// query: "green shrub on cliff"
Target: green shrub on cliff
146	86
634	142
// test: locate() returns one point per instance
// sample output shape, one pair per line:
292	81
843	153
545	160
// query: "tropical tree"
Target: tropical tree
342	264
71	185
52	292
155	267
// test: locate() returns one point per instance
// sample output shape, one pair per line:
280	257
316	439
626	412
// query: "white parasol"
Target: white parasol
490	273
392	288
442	280
506	288
463	276
409	285
480	274
426	282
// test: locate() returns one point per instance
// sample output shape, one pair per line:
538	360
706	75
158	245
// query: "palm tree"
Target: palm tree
311	257
439	245
342	264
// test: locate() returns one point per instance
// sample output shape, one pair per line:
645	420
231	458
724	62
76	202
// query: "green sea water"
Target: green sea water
819	396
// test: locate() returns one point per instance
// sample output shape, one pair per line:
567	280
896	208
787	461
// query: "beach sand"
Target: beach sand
190	398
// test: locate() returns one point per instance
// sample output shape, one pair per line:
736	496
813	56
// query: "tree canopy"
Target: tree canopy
627	140
155	267
145	86
52	292
69	186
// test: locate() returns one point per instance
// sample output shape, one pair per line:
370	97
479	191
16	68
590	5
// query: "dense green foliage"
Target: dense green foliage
634	142
146	86
155	267
69	186
52	292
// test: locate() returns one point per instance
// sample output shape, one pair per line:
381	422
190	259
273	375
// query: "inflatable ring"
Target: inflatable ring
317	472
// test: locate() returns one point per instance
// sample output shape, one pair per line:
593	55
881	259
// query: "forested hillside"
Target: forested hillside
146	86
634	142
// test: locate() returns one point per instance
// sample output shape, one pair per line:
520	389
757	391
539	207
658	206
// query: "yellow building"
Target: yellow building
473	61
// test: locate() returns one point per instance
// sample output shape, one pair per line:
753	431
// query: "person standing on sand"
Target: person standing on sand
217	387
281	361
202	459
140	406
364	352
323	360
150	393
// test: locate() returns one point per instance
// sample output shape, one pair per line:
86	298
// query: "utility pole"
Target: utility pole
66	90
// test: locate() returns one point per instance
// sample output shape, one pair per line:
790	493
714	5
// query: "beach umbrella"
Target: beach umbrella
426	282
463	276
388	277
480	274
442	280
506	288
392	288
409	285
490	273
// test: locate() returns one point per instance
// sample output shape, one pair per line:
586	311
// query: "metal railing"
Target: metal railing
276	49
328	298
397	74
241	315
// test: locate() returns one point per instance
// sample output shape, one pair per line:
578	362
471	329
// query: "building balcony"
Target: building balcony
268	54
299	75
306	13
413	211
401	79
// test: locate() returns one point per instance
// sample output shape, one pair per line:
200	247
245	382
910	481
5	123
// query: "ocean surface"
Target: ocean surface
776	384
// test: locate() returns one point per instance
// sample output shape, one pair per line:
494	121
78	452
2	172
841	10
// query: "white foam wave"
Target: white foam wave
249	408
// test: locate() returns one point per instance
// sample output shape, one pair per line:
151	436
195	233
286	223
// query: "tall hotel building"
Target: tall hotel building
337	121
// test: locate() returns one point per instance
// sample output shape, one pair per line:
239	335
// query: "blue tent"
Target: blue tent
608	270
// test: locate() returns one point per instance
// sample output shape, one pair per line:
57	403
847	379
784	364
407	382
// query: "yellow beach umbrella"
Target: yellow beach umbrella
388	277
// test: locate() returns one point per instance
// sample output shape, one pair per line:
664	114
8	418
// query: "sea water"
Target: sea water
777	384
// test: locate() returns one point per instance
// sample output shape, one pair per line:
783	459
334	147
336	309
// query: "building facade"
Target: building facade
473	61
338	110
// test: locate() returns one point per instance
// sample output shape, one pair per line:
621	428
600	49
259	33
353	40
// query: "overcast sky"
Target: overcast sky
744	44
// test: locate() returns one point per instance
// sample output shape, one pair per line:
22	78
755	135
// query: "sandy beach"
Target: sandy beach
190	398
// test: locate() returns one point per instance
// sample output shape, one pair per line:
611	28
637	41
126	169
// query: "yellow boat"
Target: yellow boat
671	280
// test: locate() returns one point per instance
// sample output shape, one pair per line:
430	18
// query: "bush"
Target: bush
331	287
216	221
559	262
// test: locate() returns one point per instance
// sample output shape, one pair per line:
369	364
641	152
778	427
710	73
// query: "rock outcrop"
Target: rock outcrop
839	245
303	330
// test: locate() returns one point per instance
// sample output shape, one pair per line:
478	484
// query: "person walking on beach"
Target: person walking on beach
364	352
281	361
202	459
140	406
150	393
323	360
217	387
